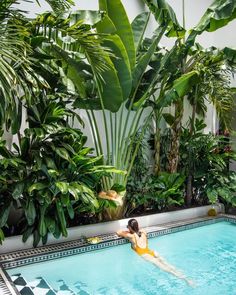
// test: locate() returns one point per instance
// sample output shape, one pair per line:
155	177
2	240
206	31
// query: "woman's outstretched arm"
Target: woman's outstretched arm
124	234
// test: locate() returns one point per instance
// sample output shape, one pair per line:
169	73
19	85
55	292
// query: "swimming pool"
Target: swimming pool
206	254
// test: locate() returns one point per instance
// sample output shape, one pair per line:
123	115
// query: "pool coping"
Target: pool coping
64	249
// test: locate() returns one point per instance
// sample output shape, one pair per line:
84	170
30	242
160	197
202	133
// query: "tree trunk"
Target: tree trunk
173	156
189	192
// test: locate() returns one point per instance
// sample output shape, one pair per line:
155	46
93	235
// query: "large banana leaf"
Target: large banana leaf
139	25
142	66
218	15
118	16
121	63
165	16
180	88
109	88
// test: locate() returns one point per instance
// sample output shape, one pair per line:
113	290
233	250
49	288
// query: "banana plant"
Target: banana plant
123	108
185	76
134	53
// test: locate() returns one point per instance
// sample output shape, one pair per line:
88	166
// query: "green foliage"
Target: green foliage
218	15
206	157
160	193
18	79
165	16
51	174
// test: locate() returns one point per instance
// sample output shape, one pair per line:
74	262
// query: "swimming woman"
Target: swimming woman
139	244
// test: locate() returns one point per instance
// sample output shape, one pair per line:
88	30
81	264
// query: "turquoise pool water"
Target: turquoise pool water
205	254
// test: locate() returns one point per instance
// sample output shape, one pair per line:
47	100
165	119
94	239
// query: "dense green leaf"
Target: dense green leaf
142	65
70	211
30	212
42	223
180	88
230	55
121	63
212	195
62	152
36	238
62	186
109	88
61	216
4	213
2	237
50	224
37	186
170	119
27	233
139	25
90	17
18	190
165	16
117	14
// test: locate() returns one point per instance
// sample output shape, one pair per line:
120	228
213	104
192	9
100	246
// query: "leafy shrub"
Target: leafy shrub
206	158
51	175
157	193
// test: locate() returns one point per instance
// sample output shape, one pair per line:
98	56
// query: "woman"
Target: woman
139	244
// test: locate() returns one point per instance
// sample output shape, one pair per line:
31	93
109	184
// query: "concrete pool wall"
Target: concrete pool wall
15	243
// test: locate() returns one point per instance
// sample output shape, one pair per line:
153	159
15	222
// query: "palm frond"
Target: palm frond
60	5
79	40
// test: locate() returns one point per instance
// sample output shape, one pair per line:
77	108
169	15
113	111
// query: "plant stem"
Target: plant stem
93	133
105	180
133	129
183	9
97	133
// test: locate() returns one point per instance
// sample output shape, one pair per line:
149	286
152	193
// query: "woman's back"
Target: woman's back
140	240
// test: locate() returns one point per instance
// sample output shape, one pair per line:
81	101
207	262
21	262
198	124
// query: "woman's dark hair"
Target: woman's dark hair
133	224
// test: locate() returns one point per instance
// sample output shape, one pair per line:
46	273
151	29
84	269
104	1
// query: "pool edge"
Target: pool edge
51	252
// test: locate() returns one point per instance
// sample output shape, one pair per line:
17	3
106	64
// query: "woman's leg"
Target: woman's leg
163	265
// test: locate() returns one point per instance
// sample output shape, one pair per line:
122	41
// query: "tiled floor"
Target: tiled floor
40	286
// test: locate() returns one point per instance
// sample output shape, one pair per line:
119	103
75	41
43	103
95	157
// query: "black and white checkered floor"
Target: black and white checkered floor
39	286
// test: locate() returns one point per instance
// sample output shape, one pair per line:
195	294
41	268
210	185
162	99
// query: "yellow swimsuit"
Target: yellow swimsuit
142	251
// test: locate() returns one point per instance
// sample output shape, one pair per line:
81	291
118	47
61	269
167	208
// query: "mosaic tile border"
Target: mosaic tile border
45	253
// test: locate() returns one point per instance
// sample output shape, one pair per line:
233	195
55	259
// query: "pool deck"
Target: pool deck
48	252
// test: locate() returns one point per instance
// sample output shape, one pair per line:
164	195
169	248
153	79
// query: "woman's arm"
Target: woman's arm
124	234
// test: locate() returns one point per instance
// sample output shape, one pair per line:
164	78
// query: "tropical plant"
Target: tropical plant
18	79
157	193
205	162
131	85
185	73
51	175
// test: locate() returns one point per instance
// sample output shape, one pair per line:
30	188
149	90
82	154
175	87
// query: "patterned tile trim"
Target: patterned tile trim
6	285
46	253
